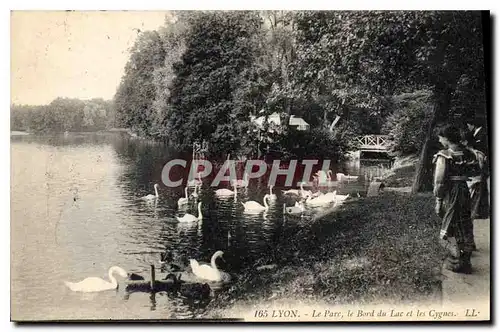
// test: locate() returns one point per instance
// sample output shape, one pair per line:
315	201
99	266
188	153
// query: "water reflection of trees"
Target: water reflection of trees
143	163
254	238
73	139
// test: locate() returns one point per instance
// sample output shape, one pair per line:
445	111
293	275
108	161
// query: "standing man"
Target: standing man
477	141
478	135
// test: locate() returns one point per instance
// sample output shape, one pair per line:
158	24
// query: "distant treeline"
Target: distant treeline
203	75
63	114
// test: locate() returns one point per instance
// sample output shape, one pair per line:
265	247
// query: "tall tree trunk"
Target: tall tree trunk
284	83
322	99
325	118
423	176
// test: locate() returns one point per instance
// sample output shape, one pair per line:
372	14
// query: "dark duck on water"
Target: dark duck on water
166	263
173	282
135	276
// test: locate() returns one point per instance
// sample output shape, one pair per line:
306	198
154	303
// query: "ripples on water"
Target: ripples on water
75	211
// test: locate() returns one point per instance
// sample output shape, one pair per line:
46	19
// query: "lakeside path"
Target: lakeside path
472	291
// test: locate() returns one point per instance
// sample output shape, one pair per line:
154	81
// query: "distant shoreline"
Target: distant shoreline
112	130
18	133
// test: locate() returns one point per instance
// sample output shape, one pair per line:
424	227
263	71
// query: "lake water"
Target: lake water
75	212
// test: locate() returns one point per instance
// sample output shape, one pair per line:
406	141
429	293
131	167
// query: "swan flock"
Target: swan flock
211	272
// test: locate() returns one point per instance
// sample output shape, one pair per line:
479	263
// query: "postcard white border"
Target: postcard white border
185	4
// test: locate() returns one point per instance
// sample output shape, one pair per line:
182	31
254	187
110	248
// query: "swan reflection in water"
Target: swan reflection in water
189	303
172	288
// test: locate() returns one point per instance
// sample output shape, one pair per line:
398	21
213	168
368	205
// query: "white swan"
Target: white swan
332	195
150	196
322	176
195	182
272	196
306	193
189	217
241	183
185	199
209	272
94	284
330	182
253	206
341	177
195	192
227	192
321	200
298	192
325	178
294	191
297	209
342	198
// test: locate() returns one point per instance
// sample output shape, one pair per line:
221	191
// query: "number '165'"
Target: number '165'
261	313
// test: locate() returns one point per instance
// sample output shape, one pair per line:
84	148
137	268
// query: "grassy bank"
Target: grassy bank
400	177
370	248
402	172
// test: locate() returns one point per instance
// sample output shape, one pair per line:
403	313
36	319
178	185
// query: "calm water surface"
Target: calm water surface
75	211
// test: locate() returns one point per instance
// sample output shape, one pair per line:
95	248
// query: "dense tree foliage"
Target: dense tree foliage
136	93
407	125
203	75
357	58
404	51
217	83
63	114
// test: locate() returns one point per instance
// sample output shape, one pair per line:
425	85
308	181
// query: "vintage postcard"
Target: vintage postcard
250	166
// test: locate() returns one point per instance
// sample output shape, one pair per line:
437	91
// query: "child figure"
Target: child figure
454	165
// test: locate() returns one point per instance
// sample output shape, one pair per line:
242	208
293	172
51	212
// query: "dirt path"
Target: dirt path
472	291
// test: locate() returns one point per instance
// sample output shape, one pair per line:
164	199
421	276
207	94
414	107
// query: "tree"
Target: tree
20	117
203	73
211	92
172	36
62	114
426	58
324	85
279	49
407	125
387	53
65	114
136	93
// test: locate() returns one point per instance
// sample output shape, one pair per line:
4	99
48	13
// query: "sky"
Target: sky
72	54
